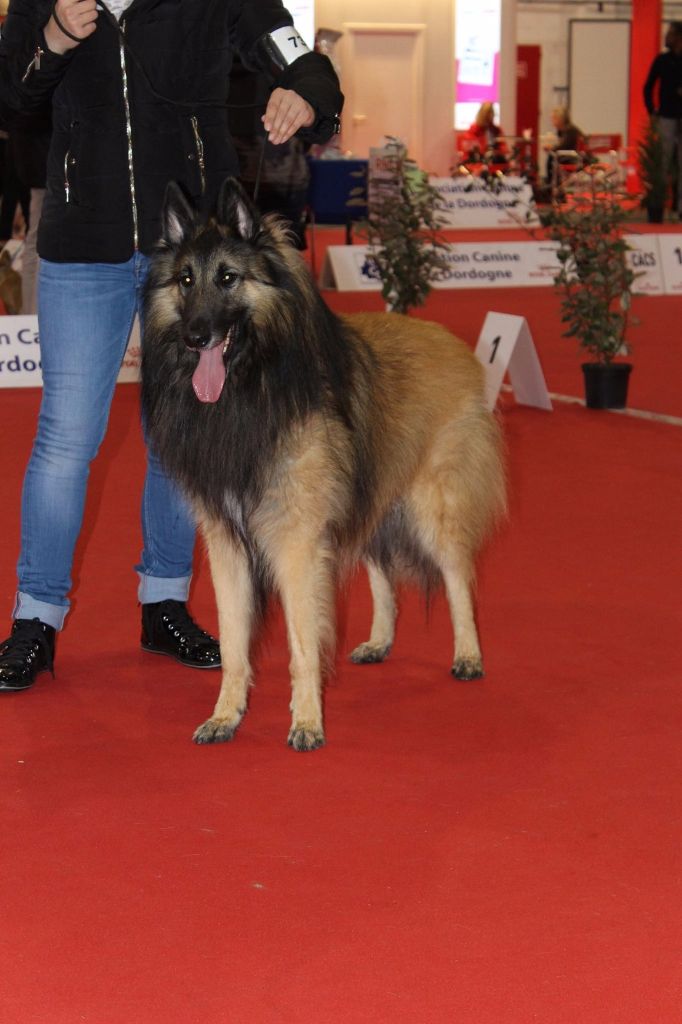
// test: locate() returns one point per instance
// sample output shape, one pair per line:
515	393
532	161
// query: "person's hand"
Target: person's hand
285	113
79	17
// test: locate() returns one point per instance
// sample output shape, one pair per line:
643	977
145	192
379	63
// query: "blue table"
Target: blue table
331	184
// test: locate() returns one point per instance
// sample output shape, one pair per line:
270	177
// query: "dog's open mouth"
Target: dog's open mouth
209	377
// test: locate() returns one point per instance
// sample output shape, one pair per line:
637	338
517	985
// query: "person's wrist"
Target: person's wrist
56	41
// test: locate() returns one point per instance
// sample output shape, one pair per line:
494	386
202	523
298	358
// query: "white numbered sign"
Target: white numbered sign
505	346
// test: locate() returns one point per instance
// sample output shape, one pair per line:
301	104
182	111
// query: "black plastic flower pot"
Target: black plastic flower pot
606	386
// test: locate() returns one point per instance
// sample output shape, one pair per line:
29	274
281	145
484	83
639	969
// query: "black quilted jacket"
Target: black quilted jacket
138	104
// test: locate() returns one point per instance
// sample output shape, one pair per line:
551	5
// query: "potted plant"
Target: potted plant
594	278
403	228
653	171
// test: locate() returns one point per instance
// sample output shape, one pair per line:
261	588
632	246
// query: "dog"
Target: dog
307	442
10	284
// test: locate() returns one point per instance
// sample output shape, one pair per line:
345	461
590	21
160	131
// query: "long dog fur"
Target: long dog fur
334	439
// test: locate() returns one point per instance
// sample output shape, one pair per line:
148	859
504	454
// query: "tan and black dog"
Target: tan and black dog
307	442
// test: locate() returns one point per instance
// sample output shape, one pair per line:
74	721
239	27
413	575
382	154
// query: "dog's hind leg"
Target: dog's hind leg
457	498
234	596
457	574
378	647
440	517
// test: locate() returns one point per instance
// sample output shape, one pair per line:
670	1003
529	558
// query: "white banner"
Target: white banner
469	265
20	353
498	265
469	203
644	259
656	259
670	249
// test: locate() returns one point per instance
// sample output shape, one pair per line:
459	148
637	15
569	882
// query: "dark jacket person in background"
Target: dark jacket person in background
277	176
29	137
139	96
665	79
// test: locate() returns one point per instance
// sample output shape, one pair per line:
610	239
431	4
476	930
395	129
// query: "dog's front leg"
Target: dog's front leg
234	597
305	580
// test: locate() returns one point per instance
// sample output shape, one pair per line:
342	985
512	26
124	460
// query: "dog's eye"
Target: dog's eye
186	278
227	278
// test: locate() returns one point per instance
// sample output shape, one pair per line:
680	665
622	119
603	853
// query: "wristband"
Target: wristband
61	28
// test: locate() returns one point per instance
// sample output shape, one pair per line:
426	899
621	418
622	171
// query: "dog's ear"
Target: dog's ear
235	210
178	218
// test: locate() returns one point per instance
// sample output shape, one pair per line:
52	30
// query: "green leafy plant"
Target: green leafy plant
403	229
651	162
595	279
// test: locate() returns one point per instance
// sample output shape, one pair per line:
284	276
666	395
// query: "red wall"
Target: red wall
645	44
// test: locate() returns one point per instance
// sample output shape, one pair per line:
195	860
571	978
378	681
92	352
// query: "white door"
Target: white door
382	75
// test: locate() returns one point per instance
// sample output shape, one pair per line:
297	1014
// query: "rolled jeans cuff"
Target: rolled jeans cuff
27	607
157	588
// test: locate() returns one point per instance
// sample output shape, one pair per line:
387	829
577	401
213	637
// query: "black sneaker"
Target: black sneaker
25	654
168	628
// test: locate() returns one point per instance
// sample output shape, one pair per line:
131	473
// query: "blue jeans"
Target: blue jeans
85	313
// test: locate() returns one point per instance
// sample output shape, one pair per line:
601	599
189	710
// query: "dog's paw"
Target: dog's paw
368	654
215	730
467	669
305	737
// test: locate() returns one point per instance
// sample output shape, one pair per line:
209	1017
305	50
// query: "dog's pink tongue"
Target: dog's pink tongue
209	376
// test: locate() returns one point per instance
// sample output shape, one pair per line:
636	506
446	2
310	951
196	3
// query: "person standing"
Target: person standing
277	176
16	197
139	98
665	80
30	139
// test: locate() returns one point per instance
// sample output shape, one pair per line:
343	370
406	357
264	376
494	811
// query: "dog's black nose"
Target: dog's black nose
198	339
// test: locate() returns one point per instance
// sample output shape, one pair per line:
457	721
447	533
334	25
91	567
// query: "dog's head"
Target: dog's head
221	282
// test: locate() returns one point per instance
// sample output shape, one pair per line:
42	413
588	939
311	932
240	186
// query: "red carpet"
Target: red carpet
492	853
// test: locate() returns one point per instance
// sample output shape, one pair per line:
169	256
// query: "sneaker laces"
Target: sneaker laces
28	635
180	619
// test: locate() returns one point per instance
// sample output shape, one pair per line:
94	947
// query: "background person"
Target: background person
30	135
484	138
276	176
16	197
568	137
665	80
130	110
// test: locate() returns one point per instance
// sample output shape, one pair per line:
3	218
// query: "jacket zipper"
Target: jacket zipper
34	64
129	134
67	186
199	143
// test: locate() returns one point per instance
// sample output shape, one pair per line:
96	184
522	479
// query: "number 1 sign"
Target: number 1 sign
505	346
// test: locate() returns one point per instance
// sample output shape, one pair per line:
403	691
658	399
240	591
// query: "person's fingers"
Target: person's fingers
78	16
285	113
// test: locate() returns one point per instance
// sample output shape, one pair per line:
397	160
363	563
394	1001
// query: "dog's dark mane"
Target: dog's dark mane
301	361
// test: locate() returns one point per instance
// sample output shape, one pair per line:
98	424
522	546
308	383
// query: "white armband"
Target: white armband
284	46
